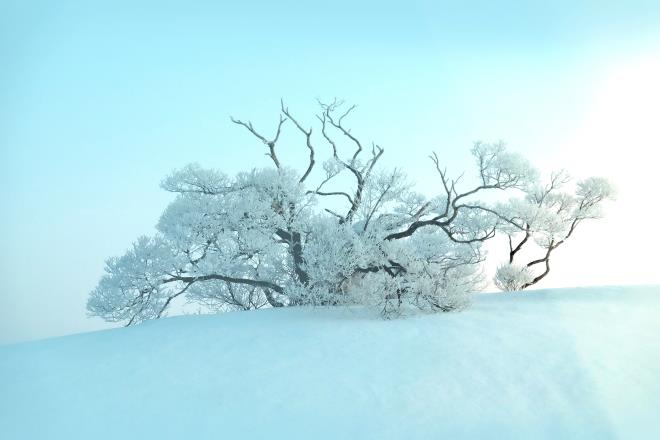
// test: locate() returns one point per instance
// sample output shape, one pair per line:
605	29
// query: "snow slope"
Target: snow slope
568	363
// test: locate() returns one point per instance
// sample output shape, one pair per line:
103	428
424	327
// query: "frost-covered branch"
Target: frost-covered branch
498	170
361	172
549	215
349	233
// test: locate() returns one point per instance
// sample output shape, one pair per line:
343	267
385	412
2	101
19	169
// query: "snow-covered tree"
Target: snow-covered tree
511	277
546	216
270	237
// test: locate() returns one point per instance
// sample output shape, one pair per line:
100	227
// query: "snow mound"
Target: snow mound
566	363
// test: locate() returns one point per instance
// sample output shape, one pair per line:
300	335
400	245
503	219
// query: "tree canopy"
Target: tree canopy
267	238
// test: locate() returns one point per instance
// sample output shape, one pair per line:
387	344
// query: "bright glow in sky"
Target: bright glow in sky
99	101
619	137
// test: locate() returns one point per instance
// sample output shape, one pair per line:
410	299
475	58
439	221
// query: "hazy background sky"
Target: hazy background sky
100	100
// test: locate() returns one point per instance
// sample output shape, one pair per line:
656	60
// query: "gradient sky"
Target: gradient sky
100	100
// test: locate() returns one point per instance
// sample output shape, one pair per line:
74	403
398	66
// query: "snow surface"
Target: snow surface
567	363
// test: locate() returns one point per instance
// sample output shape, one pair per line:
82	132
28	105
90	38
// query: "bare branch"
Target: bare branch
340	217
270	144
362	176
308	139
326	136
328	110
332	193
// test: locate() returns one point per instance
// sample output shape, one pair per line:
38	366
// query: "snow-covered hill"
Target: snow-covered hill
569	363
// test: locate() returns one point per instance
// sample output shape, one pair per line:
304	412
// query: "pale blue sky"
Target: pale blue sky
99	100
